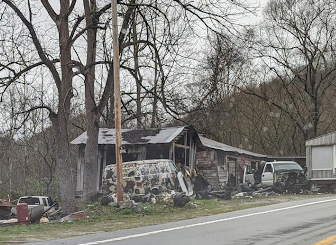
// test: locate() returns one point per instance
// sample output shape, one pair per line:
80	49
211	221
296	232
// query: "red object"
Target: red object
78	215
22	213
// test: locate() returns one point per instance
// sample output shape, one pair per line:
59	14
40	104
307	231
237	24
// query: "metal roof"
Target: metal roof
134	136
223	147
326	139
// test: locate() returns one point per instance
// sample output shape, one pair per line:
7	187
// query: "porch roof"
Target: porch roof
227	148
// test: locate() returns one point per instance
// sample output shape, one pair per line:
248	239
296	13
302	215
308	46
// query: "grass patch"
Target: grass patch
106	218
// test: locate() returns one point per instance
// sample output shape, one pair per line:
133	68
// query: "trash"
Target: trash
72	216
264	192
180	199
243	187
203	190
44	220
10	221
106	200
5	210
127	204
167	197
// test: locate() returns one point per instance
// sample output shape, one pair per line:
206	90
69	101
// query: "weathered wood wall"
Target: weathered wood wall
206	165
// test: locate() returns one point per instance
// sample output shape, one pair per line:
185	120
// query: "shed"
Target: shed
176	143
222	164
321	158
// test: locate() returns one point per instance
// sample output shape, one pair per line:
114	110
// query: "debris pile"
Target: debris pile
5	209
77	215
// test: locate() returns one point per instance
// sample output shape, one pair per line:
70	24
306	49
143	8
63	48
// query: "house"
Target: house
176	143
223	165
219	163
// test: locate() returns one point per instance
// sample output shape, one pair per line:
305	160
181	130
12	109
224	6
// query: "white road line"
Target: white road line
203	223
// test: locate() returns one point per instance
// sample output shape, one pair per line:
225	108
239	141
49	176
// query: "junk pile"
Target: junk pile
187	183
203	190
77	215
28	209
179	199
5	209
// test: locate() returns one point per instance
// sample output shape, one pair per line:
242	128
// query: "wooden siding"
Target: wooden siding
222	169
207	167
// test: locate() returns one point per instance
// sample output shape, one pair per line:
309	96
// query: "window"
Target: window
44	202
172	167
50	201
30	200
268	168
278	166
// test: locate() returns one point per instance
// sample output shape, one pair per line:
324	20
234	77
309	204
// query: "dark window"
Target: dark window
130	174
44	202
50	201
268	168
30	200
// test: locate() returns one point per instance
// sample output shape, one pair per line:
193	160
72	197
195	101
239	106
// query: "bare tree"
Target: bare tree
149	44
56	47
298	50
60	70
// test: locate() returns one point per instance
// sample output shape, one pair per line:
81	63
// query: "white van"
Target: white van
142	177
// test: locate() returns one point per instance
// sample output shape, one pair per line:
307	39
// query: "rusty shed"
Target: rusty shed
222	164
176	143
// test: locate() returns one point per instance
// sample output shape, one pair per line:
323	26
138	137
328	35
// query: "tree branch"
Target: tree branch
50	10
36	42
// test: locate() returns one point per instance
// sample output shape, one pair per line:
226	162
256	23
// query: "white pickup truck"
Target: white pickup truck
44	203
284	176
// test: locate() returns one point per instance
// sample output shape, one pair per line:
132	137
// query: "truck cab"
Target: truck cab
267	174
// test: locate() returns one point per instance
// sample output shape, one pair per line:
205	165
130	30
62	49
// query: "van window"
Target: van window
172	167
130	174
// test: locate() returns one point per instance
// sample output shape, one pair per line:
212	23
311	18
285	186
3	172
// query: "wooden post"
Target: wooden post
117	104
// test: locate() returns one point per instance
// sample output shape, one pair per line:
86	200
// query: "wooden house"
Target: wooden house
223	165
176	143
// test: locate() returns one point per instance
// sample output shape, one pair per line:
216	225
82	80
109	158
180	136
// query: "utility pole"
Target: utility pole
117	104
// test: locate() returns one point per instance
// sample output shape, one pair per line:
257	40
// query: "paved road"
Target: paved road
300	222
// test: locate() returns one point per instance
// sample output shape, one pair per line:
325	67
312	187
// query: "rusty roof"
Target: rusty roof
134	136
227	148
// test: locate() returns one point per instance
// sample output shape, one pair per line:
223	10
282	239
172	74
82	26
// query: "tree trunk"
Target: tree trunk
60	120
91	151
64	167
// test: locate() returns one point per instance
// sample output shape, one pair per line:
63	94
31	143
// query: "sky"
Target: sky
254	19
